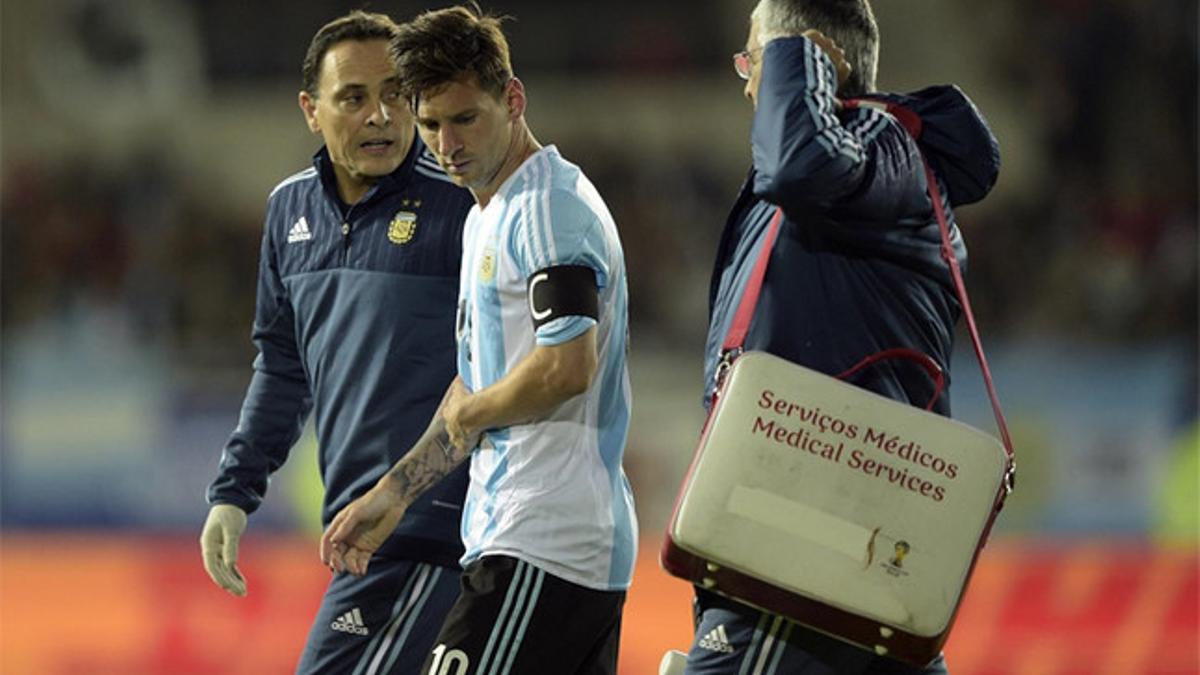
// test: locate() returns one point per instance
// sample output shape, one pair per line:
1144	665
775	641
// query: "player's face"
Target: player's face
358	110
754	63
470	131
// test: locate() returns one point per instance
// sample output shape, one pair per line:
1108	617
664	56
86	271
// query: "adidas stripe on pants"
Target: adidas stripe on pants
736	639
513	618
382	623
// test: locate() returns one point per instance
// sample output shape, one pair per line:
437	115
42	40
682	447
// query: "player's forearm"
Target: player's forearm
430	459
534	388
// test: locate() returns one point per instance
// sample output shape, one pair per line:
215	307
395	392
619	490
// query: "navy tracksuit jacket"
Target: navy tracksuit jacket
355	323
856	268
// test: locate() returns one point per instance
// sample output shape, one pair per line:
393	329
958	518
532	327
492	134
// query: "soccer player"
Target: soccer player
355	323
541	405
855	269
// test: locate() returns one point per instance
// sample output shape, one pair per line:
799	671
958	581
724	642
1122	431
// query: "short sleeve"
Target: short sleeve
563	329
558	228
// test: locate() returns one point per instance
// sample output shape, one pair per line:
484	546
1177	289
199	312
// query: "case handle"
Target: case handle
920	358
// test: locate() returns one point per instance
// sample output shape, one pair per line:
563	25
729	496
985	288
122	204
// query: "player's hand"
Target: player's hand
453	413
219	546
833	51
358	530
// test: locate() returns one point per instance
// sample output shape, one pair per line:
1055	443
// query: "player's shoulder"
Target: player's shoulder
558	204
565	174
569	187
551	189
579	200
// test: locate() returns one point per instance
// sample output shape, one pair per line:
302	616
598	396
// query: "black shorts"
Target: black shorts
512	618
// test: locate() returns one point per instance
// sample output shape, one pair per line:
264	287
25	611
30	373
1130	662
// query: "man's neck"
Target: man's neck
352	195
351	190
523	146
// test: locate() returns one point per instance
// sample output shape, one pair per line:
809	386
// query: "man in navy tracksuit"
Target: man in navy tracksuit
855	269
354	322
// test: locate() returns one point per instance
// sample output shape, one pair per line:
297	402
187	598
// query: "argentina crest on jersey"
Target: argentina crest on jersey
402	228
487	265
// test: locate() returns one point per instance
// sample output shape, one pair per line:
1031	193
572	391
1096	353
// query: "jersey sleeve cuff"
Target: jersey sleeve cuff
563	329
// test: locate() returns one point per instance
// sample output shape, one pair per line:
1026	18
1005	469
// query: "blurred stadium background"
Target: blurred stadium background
140	138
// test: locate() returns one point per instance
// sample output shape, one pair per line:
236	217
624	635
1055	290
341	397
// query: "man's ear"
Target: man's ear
308	104
514	98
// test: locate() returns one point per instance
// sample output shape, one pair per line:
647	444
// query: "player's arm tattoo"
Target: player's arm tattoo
430	459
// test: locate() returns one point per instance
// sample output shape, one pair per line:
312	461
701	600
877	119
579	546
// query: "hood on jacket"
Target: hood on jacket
956	140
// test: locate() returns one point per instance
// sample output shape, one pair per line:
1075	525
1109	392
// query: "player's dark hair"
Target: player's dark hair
451	44
358	26
850	23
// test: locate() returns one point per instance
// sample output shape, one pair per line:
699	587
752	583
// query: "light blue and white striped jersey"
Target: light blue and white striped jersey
551	492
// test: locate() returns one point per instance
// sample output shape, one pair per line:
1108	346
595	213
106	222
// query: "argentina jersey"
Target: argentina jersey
551	492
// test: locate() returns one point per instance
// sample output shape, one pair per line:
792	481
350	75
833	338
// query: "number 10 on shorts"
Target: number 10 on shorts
453	662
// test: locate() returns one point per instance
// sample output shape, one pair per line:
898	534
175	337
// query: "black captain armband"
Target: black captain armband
565	290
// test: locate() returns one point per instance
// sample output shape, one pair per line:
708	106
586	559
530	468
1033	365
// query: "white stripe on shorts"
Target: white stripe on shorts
512	620
537	590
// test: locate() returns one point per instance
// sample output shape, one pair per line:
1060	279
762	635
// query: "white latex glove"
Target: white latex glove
673	663
219	545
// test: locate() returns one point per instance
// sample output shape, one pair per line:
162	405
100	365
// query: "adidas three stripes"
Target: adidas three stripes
511	618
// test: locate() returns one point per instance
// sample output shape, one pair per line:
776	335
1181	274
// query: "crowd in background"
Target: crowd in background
1103	247
176	265
1098	245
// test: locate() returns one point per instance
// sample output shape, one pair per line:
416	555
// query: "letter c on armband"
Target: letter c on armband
564	290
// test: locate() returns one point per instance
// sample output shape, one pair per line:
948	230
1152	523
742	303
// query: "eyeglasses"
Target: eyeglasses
742	61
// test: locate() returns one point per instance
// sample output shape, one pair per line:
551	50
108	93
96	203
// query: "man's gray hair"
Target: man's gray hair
849	23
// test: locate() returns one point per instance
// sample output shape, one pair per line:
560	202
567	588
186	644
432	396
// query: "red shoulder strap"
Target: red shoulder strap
736	336
912	123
